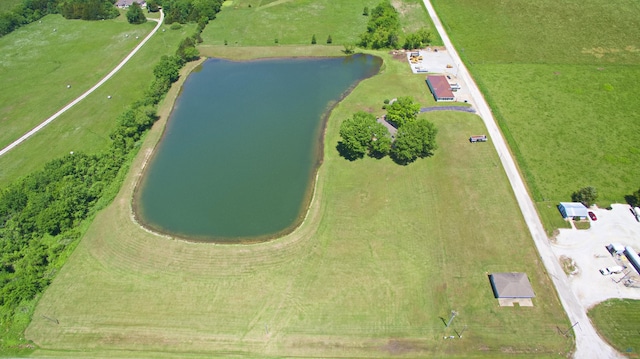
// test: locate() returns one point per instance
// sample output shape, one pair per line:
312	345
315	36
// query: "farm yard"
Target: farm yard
386	252
380	258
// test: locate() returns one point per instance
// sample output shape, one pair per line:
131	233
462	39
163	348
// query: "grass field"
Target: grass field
261	22
6	5
82	63
617	320
385	253
33	93
560	77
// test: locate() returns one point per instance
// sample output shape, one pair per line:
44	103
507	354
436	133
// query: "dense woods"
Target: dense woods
40	214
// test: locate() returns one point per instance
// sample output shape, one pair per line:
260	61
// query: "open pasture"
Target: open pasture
560	77
37	92
261	22
40	60
384	255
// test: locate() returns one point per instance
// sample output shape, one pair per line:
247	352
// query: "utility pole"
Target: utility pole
453	315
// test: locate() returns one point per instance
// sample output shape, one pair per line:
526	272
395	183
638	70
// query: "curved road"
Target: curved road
88	92
588	342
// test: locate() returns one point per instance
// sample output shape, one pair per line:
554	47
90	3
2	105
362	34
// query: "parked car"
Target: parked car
611	270
593	216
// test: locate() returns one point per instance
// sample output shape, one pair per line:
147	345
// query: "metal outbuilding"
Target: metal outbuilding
573	209
440	88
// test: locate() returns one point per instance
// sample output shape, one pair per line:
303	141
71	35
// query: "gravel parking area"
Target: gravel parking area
587	249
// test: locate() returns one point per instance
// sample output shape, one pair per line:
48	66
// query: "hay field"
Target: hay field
261	22
561	79
385	253
33	93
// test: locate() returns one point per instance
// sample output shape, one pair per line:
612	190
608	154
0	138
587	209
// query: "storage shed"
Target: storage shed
512	287
440	88
573	209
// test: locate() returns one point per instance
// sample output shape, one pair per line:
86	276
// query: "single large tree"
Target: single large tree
402	111
362	135
586	195
135	14
415	139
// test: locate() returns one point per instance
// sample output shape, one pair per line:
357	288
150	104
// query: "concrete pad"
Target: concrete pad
587	249
510	302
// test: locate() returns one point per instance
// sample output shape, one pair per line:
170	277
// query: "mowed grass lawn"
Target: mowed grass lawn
561	78
35	73
618	322
261	22
384	255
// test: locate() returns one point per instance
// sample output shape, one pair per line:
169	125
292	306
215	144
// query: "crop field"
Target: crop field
385	254
80	53
261	22
618	322
560	77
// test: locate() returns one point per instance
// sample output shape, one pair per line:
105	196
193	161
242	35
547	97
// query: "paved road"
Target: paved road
88	92
588	342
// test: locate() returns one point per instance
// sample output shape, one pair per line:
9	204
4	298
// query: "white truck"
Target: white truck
611	270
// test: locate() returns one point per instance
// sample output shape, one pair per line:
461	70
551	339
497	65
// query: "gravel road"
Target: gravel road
588	342
88	92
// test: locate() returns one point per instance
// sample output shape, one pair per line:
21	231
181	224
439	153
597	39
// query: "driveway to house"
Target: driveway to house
88	92
588	342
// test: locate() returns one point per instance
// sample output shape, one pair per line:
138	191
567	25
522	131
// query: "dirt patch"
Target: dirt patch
569	265
399	347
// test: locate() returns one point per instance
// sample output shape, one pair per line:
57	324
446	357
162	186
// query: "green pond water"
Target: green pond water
241	147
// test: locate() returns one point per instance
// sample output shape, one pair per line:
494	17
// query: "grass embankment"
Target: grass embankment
560	77
385	252
618	321
37	92
261	22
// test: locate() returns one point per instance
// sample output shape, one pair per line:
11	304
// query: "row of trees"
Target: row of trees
184	11
26	12
364	135
88	9
40	213
383	30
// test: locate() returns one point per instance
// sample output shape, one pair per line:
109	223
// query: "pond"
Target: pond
240	150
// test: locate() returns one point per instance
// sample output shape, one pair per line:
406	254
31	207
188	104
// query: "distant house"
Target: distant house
510	288
440	88
124	4
573	209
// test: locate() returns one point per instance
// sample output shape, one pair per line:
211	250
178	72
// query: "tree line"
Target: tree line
384	30
40	213
181	11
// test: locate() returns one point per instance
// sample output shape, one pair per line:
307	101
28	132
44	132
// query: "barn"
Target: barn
573	209
512	287
440	88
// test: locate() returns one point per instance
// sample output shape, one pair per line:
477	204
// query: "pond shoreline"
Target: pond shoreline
166	112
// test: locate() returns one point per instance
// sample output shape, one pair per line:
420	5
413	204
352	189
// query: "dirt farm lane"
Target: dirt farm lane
588	343
89	91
